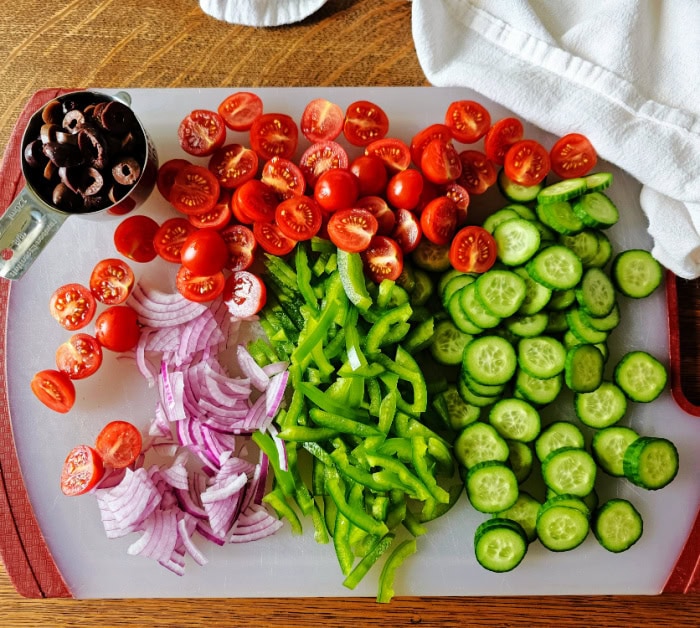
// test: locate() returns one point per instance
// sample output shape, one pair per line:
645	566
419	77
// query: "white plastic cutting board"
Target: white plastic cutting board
284	565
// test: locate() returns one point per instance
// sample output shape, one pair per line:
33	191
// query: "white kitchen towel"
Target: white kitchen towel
626	73
260	12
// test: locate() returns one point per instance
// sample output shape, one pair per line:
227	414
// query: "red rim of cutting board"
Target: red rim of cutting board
23	549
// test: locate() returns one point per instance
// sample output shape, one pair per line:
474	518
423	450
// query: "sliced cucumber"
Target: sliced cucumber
528	326
609	446
489	360
596	293
640	376
537	296
556	436
453	410
448	343
560	217
585	243
536	390
474	309
517	240
650	462
541	357
561	528
618	525
479	442
524	512
569	470
520	459
459	316
598	181
563	190
584	332
583	372
516	192
491	486
636	273
556	267
501	215
595	209
500	545
501	292
515	419
602	407
453	285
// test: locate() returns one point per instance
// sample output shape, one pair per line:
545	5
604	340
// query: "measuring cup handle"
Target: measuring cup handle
25	229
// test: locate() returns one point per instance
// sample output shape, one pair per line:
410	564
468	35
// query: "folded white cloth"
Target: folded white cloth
626	73
260	12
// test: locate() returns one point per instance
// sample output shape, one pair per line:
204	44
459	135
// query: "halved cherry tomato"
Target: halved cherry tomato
478	172
467	120
461	198
201	132
364	123
233	164
195	190
440	162
421	139
166	175
430	191
256	201
245	294
239	110
380	210
382	259
407	231
198	288
284	177
299	217
352	229
217	217
438	220
336	189
271	239
405	188
500	137
371	175
82	470
111	281
322	120
54	389
133	238
119	444
573	156
73	306
526	162
241	246
204	252
274	135
117	328
80	356
393	152
473	250
170	237
320	157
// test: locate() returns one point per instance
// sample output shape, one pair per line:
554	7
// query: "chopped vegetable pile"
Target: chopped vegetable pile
407	353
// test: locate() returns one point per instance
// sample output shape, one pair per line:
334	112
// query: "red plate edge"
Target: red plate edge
23	548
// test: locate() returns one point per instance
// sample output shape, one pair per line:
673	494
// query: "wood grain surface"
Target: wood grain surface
171	43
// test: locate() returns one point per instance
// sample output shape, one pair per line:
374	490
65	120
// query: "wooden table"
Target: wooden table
125	43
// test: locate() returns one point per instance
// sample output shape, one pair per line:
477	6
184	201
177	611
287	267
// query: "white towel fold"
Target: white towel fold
260	12
623	72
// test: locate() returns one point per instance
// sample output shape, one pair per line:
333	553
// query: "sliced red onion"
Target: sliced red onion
253	524
251	369
275	393
186	538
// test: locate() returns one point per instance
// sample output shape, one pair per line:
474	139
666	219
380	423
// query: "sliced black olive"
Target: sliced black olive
63	155
93	147
92	183
74	120
65	198
127	171
52	112
72	178
34	154
117	117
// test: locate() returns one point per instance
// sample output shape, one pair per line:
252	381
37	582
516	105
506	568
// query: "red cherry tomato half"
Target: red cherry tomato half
500	137
336	189
364	123
405	188
111	281
573	156
117	328
73	306
271	239
299	217
80	356
421	139
393	152
54	389
240	109
201	132
195	190
527	162
320	157
467	120
241	246
473	250
461	198
217	217
166	175
244	294
199	288
119	444
170	237
440	162
284	177
352	229
438	220
478	172
133	238
204	252
274	135
371	175
82	470
385	216
382	259
322	120
255	201
233	164
407	231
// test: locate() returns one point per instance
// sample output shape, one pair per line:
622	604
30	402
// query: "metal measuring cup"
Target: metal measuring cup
54	192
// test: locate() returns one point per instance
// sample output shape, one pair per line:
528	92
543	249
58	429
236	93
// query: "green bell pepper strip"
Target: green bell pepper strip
384	291
354	473
397	446
328	404
386	579
284	478
322	245
281	273
335	345
406	427
320	530
319	453
337	300
387	409
412	524
317	331
352	277
438	450
319	267
297	407
419	446
302	433
356	500
277	501
416	488
318	480
379	506
360	570
374	392
396	512
325	368
302	494
420	337
301	264
379	333
347	391
455	492
330	510
341	543
341	424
